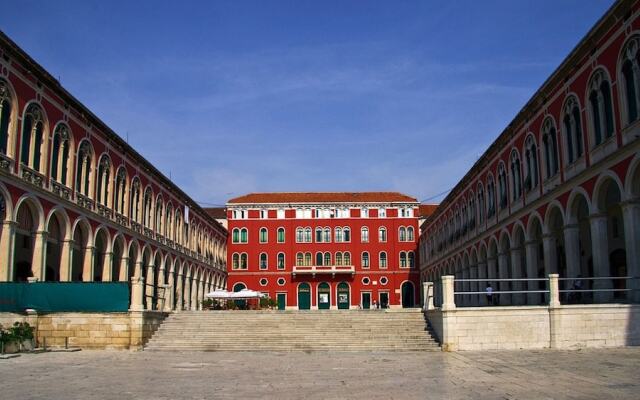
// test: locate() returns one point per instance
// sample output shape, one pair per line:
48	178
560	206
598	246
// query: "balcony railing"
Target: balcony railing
60	190
84	201
5	162
314	270
104	211
122	220
32	176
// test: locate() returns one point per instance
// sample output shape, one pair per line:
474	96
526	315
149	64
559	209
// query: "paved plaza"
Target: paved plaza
585	374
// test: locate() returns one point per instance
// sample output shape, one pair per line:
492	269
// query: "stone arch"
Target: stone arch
29	243
8	94
632	180
58	234
102	254
35	112
119	265
81	250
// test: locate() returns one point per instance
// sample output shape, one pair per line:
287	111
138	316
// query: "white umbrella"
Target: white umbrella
218	294
246	294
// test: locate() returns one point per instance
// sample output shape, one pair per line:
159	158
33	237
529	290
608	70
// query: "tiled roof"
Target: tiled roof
425	210
323	197
217	212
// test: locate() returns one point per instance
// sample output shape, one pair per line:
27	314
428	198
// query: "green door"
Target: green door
282	301
236	288
343	296
324	296
407	295
304	296
384	300
366	300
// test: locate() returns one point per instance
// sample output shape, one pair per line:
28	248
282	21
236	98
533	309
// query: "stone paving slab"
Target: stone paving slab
544	374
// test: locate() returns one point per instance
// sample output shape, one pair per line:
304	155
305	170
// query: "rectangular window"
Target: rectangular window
382	213
364	213
263	214
280	214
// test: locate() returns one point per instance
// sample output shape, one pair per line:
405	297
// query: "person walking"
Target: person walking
490	297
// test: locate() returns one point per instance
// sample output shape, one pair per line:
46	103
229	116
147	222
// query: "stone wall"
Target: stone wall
128	330
535	327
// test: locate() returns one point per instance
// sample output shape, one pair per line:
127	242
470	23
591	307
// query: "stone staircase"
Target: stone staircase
353	330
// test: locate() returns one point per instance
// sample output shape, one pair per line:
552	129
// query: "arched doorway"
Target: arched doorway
408	295
79	251
304	296
344	298
236	288
24	243
324	296
54	249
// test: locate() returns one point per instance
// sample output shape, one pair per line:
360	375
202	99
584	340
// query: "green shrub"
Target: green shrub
22	331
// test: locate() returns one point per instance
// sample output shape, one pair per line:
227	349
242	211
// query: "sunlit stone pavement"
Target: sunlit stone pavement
583	374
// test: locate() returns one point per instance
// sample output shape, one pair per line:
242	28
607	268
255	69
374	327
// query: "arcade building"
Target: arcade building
325	250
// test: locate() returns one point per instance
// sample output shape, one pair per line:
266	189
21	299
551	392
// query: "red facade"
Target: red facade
322	272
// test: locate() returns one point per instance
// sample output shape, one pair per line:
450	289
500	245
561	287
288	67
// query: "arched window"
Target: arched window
481	204
169	224
104	169
60	154
244	235
244	261
382	262
338	258
33	137
516	186
307	235
299	235
410	234
382	234
346	258
5	116
159	215
572	129
347	234
338	235
326	237
550	145
364	234
403	259
134	205
146	207
280	260
264	235
280	235
235	261
531	159
491	198
319	259
631	81
600	108
83	169
120	187
299	259
365	259
411	259
263	261
327	258
402	234
318	235
502	185
307	259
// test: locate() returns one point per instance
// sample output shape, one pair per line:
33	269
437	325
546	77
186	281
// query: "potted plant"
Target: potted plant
22	333
8	342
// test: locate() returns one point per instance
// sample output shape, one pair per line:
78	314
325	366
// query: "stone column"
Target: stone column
200	295
448	301
107	271
137	293
516	273
149	286
168	304
194	295
124	268
65	260
187	293
465	286
427	302
600	254
531	250
572	250
6	251
87	266
482	274
503	273
161	290
631	216
39	255
179	295
550	254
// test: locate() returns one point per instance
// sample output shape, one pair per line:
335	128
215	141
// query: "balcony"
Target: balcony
5	162
104	211
32	176
122	220
60	190
314	270
84	201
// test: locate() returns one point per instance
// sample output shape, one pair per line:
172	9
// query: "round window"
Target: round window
366	281
384	280
281	281
264	281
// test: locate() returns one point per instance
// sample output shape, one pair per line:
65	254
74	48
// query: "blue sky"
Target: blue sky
231	97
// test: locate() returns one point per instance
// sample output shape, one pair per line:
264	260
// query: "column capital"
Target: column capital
571	226
597	216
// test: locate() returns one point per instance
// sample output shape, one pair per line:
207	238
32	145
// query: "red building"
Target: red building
325	250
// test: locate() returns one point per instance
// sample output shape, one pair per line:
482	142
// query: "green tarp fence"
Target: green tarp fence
64	296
